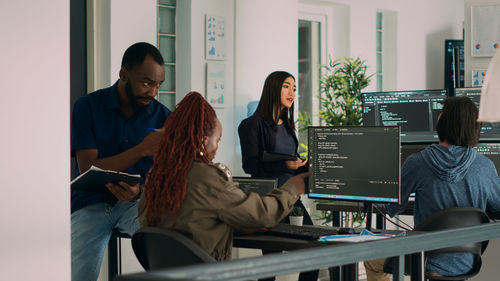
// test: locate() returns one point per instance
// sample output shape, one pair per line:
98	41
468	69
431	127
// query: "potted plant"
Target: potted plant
341	87
341	104
296	216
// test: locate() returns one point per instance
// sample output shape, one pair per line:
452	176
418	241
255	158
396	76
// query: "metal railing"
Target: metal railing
322	257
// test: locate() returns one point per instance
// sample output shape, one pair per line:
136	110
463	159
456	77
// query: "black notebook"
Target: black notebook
95	178
274	157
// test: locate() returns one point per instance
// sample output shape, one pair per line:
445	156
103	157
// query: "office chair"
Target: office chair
160	248
454	217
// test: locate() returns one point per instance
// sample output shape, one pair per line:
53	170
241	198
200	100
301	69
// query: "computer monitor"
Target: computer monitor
489	131
355	163
260	186
492	151
415	111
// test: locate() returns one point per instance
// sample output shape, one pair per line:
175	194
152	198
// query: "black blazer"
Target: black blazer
256	135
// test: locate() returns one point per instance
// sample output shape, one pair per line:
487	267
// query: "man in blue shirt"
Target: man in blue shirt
111	129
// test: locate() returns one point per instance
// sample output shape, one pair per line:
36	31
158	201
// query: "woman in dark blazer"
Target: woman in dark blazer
272	129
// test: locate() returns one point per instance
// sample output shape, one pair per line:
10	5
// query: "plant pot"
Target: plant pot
296	220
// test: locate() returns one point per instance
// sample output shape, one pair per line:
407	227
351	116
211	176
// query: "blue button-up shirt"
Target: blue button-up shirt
99	123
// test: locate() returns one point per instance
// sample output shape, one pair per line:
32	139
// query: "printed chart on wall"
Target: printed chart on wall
215	43
478	77
216	73
485	30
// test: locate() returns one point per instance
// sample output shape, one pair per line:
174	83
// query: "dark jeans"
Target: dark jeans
303	276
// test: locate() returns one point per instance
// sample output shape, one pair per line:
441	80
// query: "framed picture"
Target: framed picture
215	37
485	30
216	84
478	77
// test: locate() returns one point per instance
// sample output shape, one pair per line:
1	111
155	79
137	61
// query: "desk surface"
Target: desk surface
349	206
278	243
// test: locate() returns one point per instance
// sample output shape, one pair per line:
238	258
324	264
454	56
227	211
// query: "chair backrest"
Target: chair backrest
456	217
453	218
160	248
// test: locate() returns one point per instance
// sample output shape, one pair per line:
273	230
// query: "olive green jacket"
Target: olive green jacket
214	207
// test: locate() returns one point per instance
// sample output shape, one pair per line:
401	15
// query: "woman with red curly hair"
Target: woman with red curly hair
185	191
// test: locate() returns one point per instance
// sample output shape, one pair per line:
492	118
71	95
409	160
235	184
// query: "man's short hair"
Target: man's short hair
457	124
136	54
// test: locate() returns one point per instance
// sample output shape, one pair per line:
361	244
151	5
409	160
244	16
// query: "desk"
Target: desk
277	243
347	206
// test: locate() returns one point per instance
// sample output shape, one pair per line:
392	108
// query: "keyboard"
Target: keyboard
300	232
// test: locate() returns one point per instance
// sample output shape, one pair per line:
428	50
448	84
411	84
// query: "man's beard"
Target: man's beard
133	99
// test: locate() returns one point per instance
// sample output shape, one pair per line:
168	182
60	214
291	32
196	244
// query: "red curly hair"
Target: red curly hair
181	144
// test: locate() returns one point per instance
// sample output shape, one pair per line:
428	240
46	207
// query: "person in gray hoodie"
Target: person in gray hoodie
449	174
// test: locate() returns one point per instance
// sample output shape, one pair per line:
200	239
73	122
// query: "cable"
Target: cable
391	221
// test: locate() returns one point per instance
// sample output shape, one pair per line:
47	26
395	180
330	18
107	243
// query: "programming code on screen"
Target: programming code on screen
490	150
354	163
415	111
489	131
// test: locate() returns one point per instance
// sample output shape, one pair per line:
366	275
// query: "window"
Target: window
309	71
166	37
386	51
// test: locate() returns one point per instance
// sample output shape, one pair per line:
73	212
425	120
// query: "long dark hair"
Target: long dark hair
457	124
270	100
165	190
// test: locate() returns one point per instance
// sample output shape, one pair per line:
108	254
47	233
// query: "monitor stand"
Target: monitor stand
369	212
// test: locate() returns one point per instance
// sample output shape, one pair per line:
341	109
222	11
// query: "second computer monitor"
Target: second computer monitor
415	111
355	163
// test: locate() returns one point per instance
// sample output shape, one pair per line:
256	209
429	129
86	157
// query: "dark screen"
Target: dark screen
260	186
355	163
415	111
489	131
490	150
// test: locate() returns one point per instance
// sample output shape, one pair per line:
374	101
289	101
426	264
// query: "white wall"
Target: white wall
34	148
422	27
131	21
266	34
191	74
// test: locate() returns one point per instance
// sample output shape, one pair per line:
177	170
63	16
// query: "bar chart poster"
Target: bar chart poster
215	37
216	80
478	77
485	30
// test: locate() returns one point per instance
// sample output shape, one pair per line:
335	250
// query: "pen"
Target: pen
152	130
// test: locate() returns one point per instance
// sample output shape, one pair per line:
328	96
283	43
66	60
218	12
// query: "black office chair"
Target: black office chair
160	248
454	217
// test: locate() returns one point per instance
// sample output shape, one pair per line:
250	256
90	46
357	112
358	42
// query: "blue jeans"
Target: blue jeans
91	228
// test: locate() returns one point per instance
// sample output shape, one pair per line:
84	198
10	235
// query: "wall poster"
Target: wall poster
215	37
216	80
485	30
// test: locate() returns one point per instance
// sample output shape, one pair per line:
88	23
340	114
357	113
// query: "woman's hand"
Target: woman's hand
294	165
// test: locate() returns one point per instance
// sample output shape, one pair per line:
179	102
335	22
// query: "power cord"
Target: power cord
391	221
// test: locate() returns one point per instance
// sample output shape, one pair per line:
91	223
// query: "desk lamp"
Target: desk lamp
489	108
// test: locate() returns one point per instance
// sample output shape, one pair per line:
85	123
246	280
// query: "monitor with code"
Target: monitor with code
490	150
416	112
355	163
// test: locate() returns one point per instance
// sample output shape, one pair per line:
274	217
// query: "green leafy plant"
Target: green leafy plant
341	87
296	212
